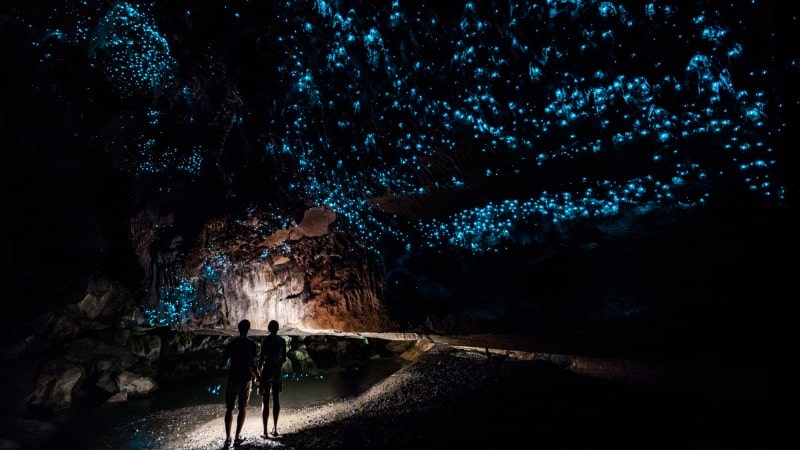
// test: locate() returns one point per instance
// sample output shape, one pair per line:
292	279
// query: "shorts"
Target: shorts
237	392
271	380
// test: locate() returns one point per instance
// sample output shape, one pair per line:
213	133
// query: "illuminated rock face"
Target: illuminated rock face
302	276
263	293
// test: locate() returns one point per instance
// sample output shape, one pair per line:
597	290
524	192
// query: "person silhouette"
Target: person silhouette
270	368
239	359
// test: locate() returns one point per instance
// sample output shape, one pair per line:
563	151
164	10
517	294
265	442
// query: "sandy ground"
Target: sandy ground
448	398
202	427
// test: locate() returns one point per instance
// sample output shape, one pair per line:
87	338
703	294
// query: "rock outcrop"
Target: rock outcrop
306	276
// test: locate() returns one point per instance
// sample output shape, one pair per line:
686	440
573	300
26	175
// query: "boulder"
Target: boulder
57	381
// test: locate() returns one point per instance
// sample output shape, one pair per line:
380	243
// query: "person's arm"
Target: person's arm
254	372
261	356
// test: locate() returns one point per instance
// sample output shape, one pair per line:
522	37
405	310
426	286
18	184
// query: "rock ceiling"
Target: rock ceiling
387	167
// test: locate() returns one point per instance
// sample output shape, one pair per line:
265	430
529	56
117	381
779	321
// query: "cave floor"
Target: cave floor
457	397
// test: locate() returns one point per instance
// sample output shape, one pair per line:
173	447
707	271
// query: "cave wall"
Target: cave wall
100	351
304	275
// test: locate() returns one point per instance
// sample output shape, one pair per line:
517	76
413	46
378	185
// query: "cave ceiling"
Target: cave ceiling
407	160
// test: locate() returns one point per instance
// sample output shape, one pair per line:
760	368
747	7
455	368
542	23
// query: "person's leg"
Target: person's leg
230	400
276	406
240	421
228	422
265	409
244	398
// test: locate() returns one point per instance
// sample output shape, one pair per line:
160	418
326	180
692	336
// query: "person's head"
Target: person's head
273	326
244	326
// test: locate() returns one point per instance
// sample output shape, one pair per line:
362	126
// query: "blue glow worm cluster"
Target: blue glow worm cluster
132	53
590	108
540	85
176	304
491	227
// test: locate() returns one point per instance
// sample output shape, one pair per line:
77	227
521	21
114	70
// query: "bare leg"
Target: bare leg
240	421
265	413
276	409
228	422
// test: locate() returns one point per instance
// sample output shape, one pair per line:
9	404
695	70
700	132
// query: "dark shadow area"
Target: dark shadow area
539	405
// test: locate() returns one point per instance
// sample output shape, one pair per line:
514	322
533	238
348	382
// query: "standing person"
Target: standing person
270	365
239	359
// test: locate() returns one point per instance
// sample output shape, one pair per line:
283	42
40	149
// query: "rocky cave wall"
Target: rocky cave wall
304	276
117	343
99	352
